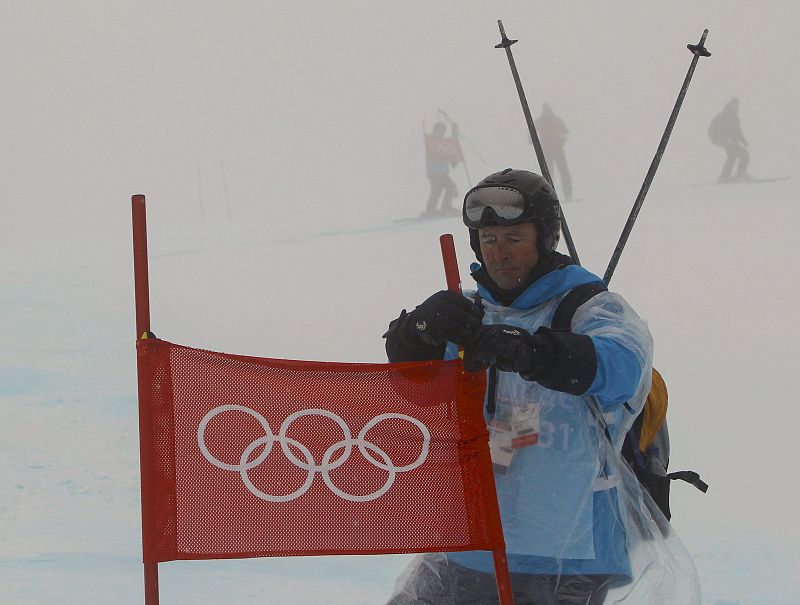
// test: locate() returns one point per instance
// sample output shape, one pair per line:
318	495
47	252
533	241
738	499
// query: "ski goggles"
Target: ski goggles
494	205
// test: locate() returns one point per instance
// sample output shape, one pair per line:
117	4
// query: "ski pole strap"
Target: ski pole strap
689	477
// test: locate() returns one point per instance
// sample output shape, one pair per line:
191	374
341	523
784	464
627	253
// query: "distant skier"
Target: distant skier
441	153
725	131
552	134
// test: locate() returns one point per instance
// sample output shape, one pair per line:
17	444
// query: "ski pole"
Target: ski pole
506	44
698	50
464	161
225	190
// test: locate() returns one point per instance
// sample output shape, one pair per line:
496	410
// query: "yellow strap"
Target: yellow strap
655	411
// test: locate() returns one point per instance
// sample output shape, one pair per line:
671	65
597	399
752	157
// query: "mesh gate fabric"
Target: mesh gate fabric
257	457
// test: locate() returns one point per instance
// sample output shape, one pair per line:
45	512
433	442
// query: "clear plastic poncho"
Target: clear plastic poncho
578	526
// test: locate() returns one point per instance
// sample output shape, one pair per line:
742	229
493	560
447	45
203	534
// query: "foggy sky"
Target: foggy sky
281	105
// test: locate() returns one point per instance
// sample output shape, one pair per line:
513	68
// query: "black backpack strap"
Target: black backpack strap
562	318
689	477
562	322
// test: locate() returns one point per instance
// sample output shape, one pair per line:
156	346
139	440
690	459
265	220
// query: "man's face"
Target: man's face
509	253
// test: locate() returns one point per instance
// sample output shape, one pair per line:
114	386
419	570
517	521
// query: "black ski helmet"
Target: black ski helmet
542	207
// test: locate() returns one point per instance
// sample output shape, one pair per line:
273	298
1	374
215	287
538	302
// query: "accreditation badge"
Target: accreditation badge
525	425
513	426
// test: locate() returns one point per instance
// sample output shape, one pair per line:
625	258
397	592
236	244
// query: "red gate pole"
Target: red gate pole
501	574
146	457
450	262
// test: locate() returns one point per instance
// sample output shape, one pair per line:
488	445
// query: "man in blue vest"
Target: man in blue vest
558	406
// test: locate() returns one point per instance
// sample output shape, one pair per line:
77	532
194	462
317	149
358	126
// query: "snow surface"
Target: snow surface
724	327
272	188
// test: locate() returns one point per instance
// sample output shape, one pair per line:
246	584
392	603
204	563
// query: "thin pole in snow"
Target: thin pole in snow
146	456
225	190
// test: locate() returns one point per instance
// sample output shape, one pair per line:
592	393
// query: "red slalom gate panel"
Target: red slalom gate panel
267	457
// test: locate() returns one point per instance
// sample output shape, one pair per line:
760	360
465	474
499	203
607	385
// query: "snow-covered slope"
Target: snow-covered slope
709	268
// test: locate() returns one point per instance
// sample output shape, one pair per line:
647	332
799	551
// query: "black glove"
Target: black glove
510	349
445	317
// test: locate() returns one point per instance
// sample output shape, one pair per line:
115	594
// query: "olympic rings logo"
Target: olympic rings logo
309	464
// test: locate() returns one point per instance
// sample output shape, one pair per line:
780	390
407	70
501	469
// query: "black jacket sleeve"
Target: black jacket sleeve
573	363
